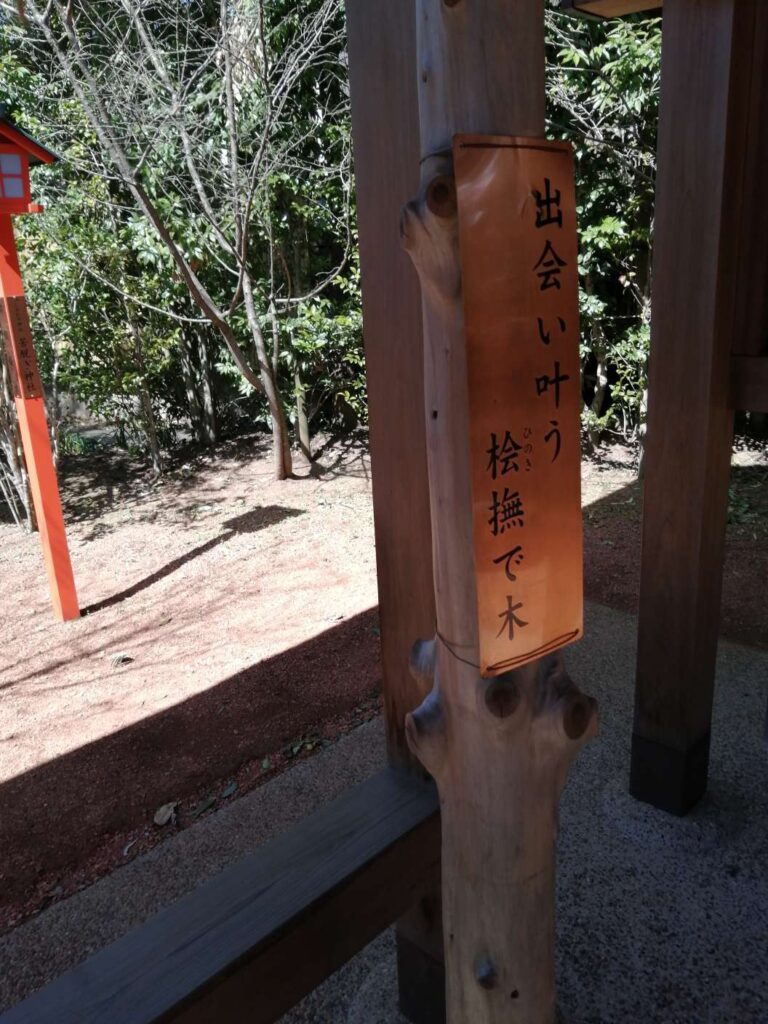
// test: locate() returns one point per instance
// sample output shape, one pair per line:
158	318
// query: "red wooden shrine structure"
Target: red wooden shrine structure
250	943
17	153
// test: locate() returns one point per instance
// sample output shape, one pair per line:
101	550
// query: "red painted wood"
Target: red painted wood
30	407
23	142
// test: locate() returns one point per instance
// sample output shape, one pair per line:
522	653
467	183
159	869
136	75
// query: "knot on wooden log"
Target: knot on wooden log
502	697
486	975
440	196
422	662
559	698
578	716
425	726
541	697
429	231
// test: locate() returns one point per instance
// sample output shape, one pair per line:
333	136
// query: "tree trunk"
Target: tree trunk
601	385
642	431
599	351
9	496
145	399
303	435
281	445
498	749
300	259
150	429
188	373
17	486
206	384
54	406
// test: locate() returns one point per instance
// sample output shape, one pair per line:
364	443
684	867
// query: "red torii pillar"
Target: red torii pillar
16	149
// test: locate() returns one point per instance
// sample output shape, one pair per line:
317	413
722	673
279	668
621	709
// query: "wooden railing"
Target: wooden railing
254	940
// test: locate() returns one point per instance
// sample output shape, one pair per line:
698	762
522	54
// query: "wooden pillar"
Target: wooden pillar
750	337
30	408
386	147
704	293
382	55
499	749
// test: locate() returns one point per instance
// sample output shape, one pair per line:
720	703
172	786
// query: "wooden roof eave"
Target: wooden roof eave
610	8
38	154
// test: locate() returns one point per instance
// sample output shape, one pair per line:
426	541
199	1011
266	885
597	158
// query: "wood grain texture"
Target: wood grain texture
751	323
749	383
421	983
480	69
385	129
699	231
382	54
498	749
254	940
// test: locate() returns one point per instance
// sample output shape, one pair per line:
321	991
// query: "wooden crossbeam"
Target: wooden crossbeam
611	8
251	942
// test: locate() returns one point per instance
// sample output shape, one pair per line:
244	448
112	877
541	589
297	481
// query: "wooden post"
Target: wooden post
30	408
713	59
750	334
385	125
386	145
499	749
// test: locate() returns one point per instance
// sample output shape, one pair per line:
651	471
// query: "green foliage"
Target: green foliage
603	86
112	317
72	442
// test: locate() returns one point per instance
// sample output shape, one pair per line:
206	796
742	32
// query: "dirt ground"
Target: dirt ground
229	627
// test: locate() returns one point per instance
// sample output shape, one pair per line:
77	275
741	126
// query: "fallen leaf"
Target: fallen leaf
165	814
127	847
203	806
230	790
266	764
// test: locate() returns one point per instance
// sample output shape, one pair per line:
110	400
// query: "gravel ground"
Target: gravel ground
660	920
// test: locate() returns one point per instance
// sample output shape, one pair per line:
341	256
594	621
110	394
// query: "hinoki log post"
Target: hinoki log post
498	749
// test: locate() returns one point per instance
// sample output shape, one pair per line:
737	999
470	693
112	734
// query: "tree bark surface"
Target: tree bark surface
498	749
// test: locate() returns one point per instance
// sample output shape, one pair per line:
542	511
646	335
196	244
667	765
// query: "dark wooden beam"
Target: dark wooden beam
750	336
611	8
385	130
711	66
254	940
420	961
749	383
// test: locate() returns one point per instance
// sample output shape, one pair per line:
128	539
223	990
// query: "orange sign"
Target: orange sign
14	325
517	230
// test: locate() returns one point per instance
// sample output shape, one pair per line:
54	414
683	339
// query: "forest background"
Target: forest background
195	274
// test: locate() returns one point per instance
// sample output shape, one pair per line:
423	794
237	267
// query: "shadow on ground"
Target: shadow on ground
97	483
612	549
57	813
249	522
